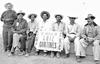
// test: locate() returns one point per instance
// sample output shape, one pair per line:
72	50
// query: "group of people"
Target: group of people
20	34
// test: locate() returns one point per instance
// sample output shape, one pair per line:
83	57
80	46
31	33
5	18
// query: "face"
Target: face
45	16
9	7
72	20
32	17
58	18
20	16
90	21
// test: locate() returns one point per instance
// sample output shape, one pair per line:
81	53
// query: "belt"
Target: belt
72	33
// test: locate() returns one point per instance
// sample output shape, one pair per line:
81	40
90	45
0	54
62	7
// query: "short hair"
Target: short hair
45	12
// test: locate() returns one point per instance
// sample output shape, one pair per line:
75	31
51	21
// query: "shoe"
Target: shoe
96	61
8	51
22	53
36	53
45	54
82	57
4	51
52	54
10	54
68	55
58	55
26	54
78	59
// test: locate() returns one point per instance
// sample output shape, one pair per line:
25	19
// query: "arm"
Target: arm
64	30
14	26
25	25
78	31
67	31
14	15
83	33
2	16
97	33
36	28
53	28
28	29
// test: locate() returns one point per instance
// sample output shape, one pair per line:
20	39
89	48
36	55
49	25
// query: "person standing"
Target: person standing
8	18
90	36
60	27
31	33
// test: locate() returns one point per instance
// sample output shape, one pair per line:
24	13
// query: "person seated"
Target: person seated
60	27
44	25
19	33
31	33
72	35
90	36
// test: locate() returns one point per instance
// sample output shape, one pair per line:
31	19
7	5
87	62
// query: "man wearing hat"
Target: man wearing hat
8	18
44	25
19	30
90	36
60	27
72	35
32	30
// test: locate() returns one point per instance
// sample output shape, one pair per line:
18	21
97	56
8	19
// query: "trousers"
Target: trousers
96	48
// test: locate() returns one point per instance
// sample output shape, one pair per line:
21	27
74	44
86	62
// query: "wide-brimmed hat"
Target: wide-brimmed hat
35	15
45	12
8	4
72	17
21	13
90	16
58	15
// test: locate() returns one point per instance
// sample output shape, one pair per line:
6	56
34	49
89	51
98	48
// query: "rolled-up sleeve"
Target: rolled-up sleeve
2	16
24	29
14	15
78	30
98	33
83	33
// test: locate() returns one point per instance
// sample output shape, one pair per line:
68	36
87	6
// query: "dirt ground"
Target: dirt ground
40	59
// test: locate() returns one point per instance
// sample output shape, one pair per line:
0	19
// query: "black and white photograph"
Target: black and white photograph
49	32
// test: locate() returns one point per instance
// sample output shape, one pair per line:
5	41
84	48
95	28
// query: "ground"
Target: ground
4	59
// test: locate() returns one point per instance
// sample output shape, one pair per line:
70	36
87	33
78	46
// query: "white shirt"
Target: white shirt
32	26
75	28
44	26
60	27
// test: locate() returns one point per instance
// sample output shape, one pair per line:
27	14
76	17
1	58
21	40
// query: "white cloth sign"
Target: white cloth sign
49	40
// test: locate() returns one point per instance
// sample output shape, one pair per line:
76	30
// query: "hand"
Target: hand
83	36
71	39
90	39
7	19
14	31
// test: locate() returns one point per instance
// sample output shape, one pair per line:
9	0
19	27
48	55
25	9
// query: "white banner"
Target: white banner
49	40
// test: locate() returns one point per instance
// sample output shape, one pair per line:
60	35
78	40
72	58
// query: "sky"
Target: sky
76	8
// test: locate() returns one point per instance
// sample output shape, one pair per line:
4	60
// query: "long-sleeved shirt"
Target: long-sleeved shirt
8	17
21	25
91	31
44	26
73	29
32	26
60	27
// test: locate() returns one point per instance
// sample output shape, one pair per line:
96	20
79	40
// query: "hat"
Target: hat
8	4
21	13
90	16
35	15
58	15
45	12
72	17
